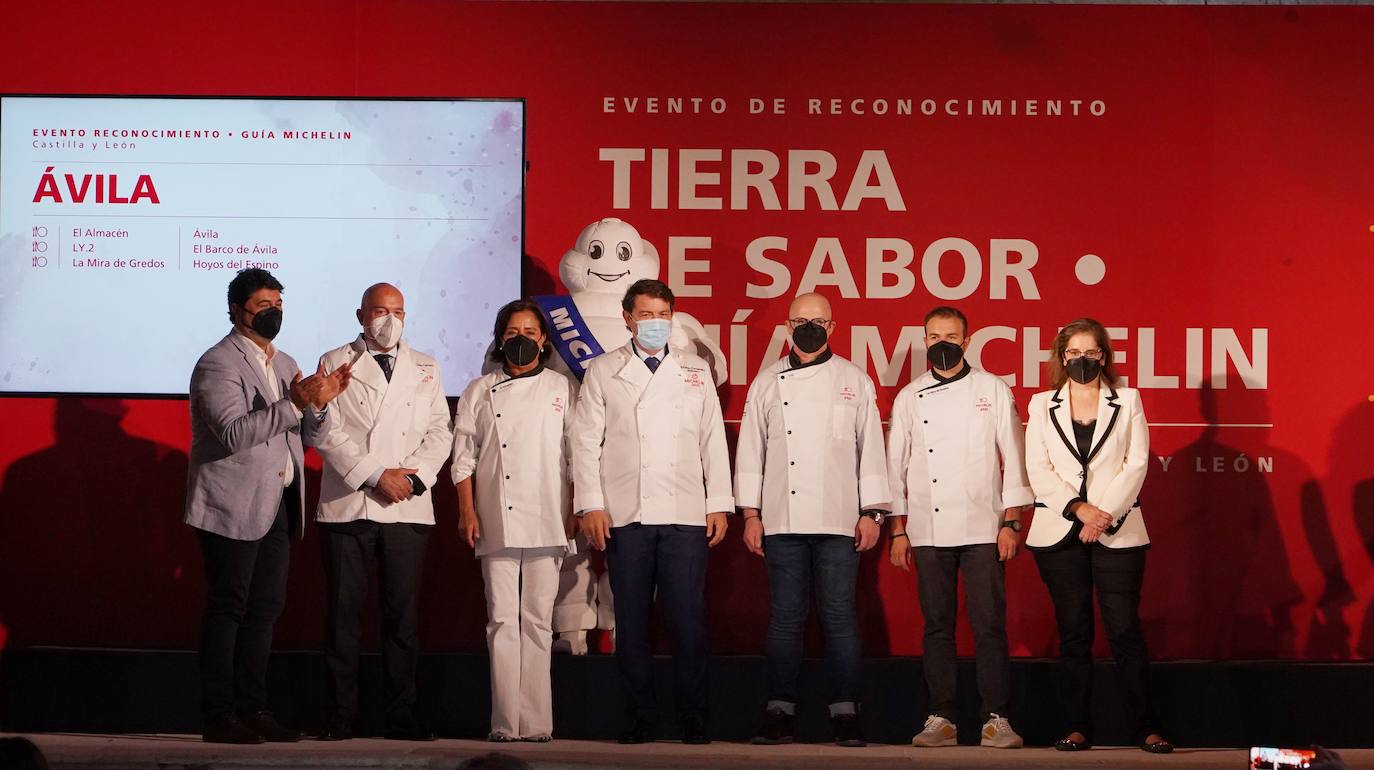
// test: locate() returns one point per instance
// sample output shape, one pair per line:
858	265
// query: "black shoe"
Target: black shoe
408	730
337	729
777	728
694	731
1160	746
846	729
264	724
640	731
1069	744
229	729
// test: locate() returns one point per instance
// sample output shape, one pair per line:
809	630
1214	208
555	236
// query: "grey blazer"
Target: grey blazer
234	481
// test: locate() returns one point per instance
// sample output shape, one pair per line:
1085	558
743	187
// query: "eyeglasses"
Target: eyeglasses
795	322
1091	355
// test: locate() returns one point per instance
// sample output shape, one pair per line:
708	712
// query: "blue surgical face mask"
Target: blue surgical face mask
652	334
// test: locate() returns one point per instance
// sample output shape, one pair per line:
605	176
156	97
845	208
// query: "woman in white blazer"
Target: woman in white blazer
1087	452
510	462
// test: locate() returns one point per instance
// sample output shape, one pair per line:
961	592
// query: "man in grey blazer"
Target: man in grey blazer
251	410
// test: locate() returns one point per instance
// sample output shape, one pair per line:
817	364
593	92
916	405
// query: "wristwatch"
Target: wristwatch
875	514
1014	524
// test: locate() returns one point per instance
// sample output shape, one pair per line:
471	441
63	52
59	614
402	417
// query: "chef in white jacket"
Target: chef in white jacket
510	462
651	479
811	484
388	440
956	462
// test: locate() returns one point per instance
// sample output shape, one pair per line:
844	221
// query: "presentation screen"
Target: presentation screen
122	221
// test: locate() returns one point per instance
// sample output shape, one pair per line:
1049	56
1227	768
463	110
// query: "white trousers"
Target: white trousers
584	599
521	584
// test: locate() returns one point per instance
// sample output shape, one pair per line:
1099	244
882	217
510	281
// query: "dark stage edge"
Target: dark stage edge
179	752
1203	704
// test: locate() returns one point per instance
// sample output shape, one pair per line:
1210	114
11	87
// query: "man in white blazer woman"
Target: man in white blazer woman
389	437
651	482
1087	453
811	483
510	462
958	487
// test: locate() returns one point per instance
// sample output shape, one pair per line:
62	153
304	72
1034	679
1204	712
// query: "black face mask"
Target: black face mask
944	355
1083	370
267	322
520	350
809	337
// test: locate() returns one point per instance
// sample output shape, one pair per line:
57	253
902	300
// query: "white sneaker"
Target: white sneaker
571	643
997	734
937	732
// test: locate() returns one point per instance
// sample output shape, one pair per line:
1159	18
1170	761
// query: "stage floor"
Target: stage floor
172	752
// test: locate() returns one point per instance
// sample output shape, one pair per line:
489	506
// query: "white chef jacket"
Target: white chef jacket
511	435
377	425
810	452
649	447
955	453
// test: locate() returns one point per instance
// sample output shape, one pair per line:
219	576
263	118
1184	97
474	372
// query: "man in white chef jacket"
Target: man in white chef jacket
956	460
651	483
811	484
389	438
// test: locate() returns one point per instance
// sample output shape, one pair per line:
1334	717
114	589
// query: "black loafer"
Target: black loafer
640	731
229	729
846	729
1158	747
777	729
1067	744
338	729
694	731
408	730
264	724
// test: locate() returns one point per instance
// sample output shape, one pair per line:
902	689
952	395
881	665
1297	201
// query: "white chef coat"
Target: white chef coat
511	435
956	458
649	447
377	425
810	453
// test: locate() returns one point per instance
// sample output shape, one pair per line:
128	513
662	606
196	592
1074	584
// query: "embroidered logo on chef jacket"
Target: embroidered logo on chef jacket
558	404
847	393
983	404
426	373
692	376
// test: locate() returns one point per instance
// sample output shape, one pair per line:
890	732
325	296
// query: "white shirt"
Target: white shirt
956	458
810	453
650	447
511	436
264	358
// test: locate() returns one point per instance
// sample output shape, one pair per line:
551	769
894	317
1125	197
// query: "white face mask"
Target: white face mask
385	331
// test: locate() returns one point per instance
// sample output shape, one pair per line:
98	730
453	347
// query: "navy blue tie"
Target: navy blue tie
652	362
384	361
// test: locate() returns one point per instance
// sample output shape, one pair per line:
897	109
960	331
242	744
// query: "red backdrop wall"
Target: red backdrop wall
1217	166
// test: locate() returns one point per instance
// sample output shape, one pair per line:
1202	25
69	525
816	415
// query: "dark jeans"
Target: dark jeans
672	559
937	571
1071	572
350	551
831	565
246	591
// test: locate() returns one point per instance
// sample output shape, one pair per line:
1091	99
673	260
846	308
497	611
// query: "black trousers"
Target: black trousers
671	559
246	591
1071	572
350	551
937	571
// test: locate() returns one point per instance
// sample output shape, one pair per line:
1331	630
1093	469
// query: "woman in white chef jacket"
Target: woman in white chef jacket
1087	452
510	463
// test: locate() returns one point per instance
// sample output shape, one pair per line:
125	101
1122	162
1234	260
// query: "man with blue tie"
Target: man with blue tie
652	487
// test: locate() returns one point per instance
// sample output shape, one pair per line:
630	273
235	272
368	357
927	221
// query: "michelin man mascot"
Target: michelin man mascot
608	257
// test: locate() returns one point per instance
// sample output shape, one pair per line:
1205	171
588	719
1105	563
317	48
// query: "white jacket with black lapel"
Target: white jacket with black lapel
1110	477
